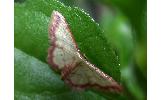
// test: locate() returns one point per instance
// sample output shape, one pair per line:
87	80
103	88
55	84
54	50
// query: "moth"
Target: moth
64	56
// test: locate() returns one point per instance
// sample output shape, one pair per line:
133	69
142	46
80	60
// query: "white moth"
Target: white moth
63	55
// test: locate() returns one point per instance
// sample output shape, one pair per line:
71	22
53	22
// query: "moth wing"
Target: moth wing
63	55
63	50
85	75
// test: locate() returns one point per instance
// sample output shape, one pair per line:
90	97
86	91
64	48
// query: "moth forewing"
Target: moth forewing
63	51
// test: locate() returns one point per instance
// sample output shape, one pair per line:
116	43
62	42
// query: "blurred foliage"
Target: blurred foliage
34	80
124	28
134	71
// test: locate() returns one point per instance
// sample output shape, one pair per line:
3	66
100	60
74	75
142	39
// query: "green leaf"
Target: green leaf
31	32
34	80
31	35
